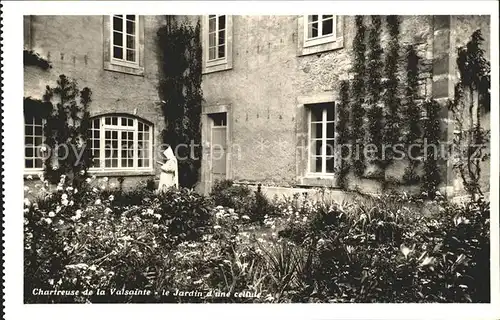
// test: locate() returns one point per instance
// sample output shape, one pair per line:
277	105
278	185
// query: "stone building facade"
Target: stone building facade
261	77
275	73
124	88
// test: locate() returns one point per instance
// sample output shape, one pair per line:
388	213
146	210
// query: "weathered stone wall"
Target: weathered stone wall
267	78
74	46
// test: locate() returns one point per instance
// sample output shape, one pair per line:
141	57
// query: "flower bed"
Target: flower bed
102	245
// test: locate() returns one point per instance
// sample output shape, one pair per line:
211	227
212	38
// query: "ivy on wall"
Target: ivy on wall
375	113
470	102
357	101
66	130
343	132
392	99
180	90
432	134
411	115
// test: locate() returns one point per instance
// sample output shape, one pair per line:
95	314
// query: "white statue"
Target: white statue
169	171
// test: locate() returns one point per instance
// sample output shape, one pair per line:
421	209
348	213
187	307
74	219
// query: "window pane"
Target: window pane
117	23
38	130
38	141
211	24
114	121
330	112
107	120
330	130
211	53
327	27
130	27
330	164
131	55
96	123
114	163
131	17
28	130
28	152
312	30
117	52
130	42
316	164
38	163
222	51
330	147
313	18
316	114
316	147
222	22
107	163
28	163
107	134
327	16
130	122
140	125
316	130
117	39
222	37
211	39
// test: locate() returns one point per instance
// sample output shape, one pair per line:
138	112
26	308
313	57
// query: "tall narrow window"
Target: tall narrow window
33	139
320	26
216	37
124	36
121	142
322	138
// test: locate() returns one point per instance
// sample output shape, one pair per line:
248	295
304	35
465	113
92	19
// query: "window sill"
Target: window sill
122	173
327	44
133	70
34	174
217	66
318	181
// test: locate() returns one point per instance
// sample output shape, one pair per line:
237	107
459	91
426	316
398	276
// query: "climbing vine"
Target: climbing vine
66	131
411	115
373	84
391	96
357	102
471	100
432	133
342	129
180	91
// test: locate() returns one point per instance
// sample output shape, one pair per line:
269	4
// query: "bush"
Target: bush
378	249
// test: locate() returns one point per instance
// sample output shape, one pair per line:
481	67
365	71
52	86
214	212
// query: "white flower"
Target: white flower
29	177
52	214
27	202
103	187
111	198
69	188
58	208
405	250
98	202
106	179
245	217
48	220
94	189
428	260
88	180
107	211
82	172
150	211
64	202
26	188
51	282
59	187
217	227
78	212
71	203
304	219
157	215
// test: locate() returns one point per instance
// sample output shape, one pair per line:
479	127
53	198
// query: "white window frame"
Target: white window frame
222	63
120	128
324	139
34	157
320	39
124	62
217	30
